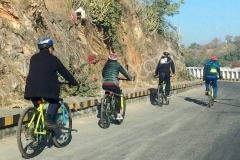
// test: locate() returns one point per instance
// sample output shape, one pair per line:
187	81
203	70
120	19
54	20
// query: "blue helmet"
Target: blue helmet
45	43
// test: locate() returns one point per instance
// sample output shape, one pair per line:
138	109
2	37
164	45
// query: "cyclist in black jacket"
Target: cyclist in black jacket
163	70
110	79
42	79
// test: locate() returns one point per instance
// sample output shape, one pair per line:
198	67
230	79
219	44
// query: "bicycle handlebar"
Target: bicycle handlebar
64	83
78	86
123	79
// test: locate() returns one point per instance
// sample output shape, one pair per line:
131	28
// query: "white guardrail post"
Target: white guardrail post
226	72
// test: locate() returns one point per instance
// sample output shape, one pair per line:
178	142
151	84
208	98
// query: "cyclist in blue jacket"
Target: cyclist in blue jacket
210	73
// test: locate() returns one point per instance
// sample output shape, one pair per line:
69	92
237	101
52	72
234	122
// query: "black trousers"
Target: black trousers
165	76
117	92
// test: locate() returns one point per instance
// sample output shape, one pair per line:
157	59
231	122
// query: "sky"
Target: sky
200	21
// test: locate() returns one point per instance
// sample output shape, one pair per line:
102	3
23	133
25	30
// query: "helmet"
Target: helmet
213	57
166	53
45	43
113	56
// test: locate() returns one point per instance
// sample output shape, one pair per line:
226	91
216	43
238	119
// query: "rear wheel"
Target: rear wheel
210	97
104	112
160	96
167	100
62	135
28	142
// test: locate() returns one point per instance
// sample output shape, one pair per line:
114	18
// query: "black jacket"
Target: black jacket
164	64
42	79
111	70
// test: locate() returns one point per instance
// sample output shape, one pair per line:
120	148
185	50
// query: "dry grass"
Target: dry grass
59	7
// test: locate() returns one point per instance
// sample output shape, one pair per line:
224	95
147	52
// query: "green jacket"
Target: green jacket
111	70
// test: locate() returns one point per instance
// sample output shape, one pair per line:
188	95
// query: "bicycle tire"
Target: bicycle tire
212	94
160	96
167	100
105	106
62	135
28	133
122	109
210	97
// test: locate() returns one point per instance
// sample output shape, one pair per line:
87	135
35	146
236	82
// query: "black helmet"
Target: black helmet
166	53
45	43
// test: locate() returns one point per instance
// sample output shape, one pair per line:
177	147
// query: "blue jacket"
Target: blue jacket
206	70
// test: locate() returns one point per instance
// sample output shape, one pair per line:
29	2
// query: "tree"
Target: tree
228	38
153	12
194	46
215	43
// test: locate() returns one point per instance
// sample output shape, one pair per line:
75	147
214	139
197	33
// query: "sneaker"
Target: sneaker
206	93
119	117
215	100
49	123
168	96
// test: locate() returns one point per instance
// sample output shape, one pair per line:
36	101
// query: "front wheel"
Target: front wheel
28	141
105	110
62	135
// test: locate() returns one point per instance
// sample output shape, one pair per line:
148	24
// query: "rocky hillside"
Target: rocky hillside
24	22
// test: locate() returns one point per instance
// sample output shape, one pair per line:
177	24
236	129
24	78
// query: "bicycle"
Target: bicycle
32	128
161	94
108	109
210	95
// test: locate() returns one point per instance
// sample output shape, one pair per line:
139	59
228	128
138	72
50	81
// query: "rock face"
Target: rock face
24	22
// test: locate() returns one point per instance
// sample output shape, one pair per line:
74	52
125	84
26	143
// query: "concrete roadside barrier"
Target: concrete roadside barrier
91	105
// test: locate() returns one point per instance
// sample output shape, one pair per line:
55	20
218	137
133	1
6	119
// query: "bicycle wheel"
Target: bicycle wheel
210	97
28	141
167	100
62	135
122	108
105	109
160	96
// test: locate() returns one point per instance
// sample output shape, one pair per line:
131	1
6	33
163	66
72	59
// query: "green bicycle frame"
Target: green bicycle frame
211	88
122	101
41	116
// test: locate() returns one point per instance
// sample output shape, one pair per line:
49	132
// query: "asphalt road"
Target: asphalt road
185	130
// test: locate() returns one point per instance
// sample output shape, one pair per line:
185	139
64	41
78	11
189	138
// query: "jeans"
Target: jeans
214	84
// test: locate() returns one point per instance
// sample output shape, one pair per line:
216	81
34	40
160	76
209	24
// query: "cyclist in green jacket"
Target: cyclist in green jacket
110	79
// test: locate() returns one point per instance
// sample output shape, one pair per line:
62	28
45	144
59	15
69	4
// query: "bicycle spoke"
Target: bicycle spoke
105	112
28	142
62	135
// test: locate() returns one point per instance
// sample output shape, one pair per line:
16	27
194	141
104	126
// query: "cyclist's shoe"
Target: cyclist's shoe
215	100
49	123
168	96
206	93
119	117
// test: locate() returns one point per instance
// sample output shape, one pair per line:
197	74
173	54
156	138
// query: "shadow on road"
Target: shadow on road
153	95
196	101
229	104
